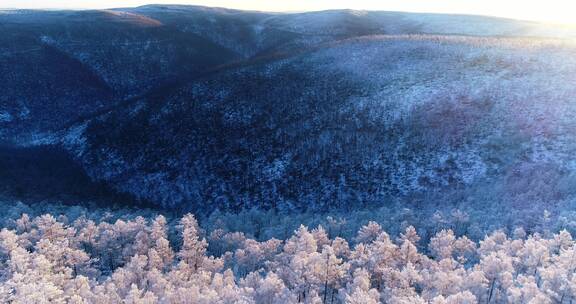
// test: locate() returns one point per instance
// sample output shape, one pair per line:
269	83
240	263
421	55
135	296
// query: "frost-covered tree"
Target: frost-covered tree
51	259
193	248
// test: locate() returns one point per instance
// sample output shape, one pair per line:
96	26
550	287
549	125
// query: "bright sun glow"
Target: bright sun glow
556	11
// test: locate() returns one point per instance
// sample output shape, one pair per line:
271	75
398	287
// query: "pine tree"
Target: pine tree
193	248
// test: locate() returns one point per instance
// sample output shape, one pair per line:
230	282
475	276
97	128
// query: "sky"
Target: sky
557	11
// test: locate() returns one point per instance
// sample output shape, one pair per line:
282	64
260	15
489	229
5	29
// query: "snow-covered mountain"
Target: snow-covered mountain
196	108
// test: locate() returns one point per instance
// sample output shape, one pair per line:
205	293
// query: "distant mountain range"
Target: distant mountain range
195	108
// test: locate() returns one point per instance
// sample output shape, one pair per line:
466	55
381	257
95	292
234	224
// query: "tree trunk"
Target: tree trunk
491	291
325	291
326	279
332	297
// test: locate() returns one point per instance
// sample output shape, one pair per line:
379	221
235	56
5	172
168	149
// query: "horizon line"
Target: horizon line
47	9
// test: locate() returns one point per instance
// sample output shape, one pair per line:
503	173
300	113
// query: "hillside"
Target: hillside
196	108
397	118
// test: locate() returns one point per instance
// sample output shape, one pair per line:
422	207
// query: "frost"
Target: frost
75	139
129	256
5	117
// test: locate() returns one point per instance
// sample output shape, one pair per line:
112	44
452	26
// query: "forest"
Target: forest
188	154
138	256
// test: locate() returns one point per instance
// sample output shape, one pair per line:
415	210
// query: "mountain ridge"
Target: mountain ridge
200	109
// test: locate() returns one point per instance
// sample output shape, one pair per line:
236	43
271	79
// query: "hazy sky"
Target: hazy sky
546	10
